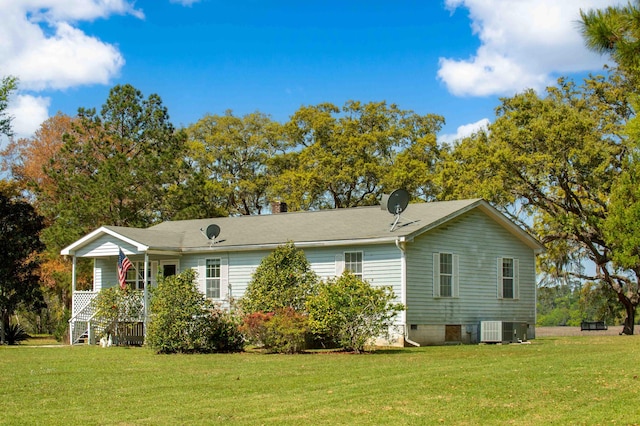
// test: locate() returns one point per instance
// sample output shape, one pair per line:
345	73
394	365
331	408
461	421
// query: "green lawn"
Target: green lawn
567	380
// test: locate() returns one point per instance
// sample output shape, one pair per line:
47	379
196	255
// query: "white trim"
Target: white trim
339	264
71	249
344	262
164	262
455	275
515	278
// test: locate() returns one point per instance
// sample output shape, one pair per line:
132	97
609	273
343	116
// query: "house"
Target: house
464	271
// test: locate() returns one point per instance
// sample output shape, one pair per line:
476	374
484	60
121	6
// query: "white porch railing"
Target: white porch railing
82	313
86	323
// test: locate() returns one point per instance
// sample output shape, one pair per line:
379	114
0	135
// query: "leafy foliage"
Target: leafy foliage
115	304
342	157
233	154
115	167
552	162
614	30
15	333
254	327
352	311
283	279
8	84
184	321
282	331
20	228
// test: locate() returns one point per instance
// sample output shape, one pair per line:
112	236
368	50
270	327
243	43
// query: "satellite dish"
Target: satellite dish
212	231
396	202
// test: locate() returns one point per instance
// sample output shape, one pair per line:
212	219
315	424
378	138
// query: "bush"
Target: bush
282	331
14	334
115	305
283	279
219	332
352	311
183	320
254	327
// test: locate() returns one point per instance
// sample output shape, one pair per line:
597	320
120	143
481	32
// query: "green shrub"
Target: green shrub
254	327
283	279
116	305
352	311
14	334
282	331
219	332
183	320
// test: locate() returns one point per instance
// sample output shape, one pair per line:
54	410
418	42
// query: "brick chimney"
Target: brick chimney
278	207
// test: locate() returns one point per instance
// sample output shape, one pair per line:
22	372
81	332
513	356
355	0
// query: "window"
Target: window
353	263
507	278
213	278
135	275
445	275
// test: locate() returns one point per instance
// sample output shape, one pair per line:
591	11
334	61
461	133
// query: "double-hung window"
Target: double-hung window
353	263
135	275
508	278
445	275
212	280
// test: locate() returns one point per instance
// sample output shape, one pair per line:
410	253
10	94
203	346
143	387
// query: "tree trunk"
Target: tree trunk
630	309
4	319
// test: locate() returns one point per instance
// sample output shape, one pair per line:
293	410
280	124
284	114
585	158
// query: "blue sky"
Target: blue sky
454	58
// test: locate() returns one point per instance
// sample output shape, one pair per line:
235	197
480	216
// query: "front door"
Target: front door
169	267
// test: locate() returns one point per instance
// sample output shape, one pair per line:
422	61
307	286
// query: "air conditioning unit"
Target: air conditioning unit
514	331
491	331
501	331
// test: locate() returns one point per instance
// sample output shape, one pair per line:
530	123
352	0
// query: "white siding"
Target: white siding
381	265
477	241
105	273
105	245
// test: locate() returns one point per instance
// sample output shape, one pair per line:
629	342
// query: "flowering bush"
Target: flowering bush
282	331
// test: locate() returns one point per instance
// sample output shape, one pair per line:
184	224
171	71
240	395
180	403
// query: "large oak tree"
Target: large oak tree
550	162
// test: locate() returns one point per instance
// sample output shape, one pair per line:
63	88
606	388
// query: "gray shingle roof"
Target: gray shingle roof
323	227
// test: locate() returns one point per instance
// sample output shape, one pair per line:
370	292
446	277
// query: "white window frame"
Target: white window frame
211	280
502	278
358	264
203	283
135	275
437	275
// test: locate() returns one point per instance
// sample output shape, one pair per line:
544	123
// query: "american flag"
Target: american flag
123	265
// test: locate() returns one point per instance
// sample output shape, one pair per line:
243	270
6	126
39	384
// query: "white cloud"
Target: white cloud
523	45
41	44
185	2
464	131
28	113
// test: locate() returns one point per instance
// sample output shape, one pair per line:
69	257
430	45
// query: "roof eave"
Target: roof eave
73	248
301	244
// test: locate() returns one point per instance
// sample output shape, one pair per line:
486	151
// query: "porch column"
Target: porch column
73	290
73	281
146	290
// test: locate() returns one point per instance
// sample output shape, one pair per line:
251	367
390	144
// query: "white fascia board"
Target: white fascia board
71	249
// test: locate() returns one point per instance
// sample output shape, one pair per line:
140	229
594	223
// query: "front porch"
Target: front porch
88	325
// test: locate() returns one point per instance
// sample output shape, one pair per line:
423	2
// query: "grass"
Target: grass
564	380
